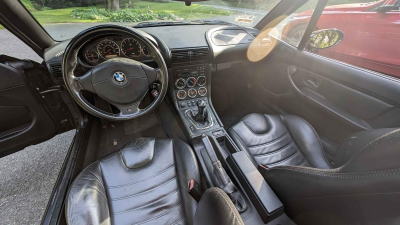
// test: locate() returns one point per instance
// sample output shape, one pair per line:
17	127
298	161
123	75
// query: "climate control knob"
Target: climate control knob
180	83
201	81
202	91
191	82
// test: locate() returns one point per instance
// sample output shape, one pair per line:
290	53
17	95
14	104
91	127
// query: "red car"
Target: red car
371	34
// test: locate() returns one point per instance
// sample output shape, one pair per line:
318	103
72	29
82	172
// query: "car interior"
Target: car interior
210	123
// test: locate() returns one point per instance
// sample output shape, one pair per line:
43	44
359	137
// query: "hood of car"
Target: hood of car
355	7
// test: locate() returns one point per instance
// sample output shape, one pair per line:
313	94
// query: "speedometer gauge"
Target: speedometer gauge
131	47
91	56
108	49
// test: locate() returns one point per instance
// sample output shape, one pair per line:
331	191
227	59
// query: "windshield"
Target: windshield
63	19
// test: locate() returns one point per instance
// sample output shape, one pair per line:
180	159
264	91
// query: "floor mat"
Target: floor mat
27	179
116	134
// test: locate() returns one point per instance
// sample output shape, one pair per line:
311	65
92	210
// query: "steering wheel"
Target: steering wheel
121	82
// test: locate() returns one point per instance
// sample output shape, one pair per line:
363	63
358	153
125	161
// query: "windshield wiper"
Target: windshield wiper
188	22
213	22
161	23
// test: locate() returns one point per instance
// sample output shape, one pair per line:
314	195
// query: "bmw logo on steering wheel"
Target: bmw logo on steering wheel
119	78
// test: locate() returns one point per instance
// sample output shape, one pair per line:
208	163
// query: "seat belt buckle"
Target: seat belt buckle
262	169
194	189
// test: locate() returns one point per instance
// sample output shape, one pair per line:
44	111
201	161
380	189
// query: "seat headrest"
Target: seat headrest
138	153
370	150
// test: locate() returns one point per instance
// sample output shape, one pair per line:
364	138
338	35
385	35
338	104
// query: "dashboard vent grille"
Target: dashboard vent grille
187	56
56	70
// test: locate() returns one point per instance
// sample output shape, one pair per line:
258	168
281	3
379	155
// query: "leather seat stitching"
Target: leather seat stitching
144	192
382	137
348	195
179	204
284	160
252	130
366	174
302	162
275	151
180	219
233	209
161	172
317	137
270	142
151	203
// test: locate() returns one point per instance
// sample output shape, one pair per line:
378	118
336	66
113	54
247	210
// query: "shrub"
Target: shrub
124	15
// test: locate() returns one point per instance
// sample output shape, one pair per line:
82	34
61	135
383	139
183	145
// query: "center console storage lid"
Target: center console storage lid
260	193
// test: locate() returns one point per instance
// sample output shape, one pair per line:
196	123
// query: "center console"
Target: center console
192	98
222	163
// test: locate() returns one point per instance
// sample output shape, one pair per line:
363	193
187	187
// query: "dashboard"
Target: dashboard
100	50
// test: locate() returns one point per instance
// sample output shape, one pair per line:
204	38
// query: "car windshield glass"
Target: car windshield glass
63	19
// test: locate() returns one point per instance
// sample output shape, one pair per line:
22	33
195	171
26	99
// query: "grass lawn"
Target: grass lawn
195	11
58	16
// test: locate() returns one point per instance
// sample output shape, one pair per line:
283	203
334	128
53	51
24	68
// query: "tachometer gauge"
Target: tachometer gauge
91	56
131	47
108	49
145	51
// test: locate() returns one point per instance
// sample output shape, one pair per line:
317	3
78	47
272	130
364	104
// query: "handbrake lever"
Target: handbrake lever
222	179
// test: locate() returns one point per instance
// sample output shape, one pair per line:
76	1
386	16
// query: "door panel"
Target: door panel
337	99
23	119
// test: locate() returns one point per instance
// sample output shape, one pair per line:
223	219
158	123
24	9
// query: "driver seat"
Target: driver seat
146	182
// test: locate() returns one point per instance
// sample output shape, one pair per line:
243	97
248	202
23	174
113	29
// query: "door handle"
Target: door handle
312	83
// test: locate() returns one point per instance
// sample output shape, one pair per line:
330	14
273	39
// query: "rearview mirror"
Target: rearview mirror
189	2
323	39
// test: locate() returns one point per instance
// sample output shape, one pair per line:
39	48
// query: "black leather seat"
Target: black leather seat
363	188
275	140
146	183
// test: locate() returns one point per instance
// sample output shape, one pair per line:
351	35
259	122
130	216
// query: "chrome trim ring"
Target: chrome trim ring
195	82
184	82
194	94
198	91
205	81
177	94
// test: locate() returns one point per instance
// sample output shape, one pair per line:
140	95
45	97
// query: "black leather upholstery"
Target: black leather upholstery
275	140
144	183
364	190
213	207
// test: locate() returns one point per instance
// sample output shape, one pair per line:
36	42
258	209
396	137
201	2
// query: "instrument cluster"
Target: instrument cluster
110	47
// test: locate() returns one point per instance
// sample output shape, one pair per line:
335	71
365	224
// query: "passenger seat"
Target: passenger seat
276	140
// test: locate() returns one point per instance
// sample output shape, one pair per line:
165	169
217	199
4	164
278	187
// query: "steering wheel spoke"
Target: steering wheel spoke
153	74
84	82
129	110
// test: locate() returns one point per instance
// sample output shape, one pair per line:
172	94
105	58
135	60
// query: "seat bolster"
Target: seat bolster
323	194
381	153
307	140
87	201
186	169
215	208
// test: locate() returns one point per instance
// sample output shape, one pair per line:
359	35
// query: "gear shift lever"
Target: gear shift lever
200	117
201	113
